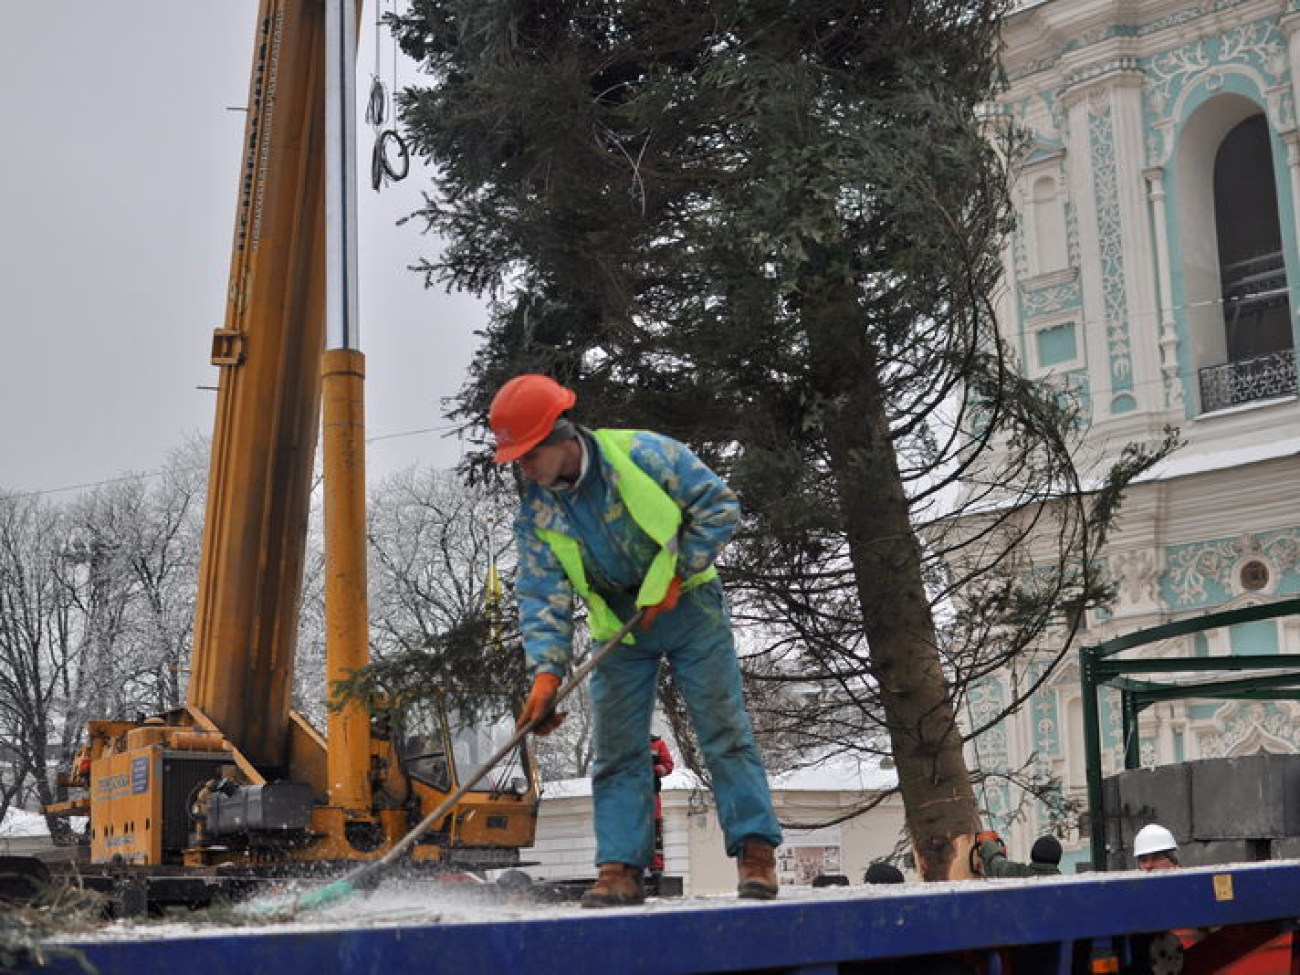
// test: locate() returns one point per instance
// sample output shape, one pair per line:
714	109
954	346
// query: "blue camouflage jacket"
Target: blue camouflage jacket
615	552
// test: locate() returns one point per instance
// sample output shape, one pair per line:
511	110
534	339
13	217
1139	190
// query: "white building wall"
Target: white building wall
693	843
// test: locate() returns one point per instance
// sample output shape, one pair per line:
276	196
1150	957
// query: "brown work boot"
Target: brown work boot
757	866
617	885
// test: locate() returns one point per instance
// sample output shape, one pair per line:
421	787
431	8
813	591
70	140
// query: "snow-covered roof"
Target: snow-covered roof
20	822
1181	465
839	773
679	780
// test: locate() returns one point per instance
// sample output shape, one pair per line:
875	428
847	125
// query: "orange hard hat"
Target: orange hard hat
523	412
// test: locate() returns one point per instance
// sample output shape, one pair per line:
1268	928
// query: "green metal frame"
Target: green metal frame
1098	670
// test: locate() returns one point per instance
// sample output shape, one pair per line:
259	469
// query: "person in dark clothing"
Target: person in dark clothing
1044	859
1046	855
830	880
881	872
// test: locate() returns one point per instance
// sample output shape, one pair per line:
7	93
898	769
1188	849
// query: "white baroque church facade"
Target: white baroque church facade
1153	273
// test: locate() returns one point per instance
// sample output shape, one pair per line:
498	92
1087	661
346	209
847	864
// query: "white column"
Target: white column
1092	311
1168	327
1141	304
1292	140
1289	24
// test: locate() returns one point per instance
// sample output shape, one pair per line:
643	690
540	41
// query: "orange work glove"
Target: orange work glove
540	706
668	602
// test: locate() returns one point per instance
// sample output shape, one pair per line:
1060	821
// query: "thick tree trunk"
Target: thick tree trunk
941	810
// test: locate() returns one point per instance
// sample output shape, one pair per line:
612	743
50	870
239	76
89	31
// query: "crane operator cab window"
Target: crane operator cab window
476	738
443	748
423	747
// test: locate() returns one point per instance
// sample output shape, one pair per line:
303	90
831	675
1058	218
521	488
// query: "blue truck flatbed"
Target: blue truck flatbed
982	925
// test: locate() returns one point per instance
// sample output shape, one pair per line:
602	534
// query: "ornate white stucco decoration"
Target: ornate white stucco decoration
1193	568
1255	51
1250	727
1137	576
1105	184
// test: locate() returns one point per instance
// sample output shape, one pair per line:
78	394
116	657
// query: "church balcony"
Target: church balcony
1248	380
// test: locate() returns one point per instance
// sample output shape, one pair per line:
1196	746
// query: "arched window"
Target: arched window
1256	311
1234	284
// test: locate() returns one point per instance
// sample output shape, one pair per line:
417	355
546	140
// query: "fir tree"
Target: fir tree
772	229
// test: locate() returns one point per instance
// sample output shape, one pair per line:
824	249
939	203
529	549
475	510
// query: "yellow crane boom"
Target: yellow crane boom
235	777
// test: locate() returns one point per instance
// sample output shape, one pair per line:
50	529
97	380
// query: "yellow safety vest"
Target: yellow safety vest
654	512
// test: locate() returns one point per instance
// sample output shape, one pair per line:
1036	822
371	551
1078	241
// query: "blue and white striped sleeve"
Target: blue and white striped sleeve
710	509
545	599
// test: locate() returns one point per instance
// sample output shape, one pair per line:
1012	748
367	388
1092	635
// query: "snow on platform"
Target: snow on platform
805	930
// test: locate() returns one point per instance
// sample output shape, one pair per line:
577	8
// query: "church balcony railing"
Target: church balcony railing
1247	380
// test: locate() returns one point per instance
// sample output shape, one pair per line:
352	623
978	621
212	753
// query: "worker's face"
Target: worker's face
548	464
1156	861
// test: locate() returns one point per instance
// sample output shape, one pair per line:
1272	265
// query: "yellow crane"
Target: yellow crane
236	778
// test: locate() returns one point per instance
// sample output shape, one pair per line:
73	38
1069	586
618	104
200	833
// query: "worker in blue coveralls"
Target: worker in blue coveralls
628	520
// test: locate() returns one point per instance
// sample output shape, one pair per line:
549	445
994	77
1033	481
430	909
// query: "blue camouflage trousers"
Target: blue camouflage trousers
695	638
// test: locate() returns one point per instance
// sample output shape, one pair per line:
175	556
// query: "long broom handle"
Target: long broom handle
522	732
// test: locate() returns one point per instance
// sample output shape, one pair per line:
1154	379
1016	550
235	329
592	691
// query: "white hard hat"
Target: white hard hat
1153	838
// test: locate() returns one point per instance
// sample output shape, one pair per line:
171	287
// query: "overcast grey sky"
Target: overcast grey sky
119	162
